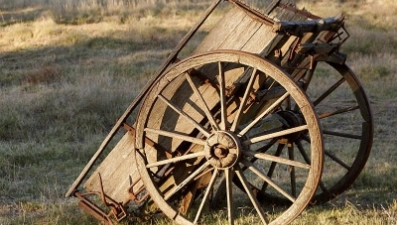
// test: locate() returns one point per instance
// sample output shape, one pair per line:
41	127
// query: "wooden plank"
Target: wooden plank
238	30
117	171
240	35
222	29
259	40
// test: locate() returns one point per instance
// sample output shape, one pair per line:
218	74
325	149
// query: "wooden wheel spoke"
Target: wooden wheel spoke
264	114
292	170
207	111
206	195
243	101
336	112
265	148
274	135
329	91
176	135
186	116
267	179
272	166
344	135
168	195
303	151
307	160
322	187
277	159
176	159
229	195
327	153
252	197
222	96
336	159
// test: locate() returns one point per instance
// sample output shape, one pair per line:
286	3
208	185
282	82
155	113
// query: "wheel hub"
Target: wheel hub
222	150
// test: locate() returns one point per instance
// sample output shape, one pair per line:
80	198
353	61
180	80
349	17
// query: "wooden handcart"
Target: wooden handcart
263	115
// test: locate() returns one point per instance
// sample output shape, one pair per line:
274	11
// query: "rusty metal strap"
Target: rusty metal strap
93	209
138	196
117	211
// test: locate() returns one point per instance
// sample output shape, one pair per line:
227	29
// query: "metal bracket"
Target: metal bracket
135	195
92	208
117	209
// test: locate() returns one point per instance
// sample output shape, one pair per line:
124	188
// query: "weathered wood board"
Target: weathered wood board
117	171
239	30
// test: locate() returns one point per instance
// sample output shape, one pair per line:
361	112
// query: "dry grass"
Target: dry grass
68	69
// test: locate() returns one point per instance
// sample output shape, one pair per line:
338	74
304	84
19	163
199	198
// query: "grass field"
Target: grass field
69	69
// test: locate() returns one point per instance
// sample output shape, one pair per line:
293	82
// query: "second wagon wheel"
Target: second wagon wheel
345	114
198	129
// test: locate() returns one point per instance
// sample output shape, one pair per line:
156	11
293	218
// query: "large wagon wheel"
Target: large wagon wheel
346	119
199	126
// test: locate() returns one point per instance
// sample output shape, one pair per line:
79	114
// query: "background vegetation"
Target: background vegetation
69	68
